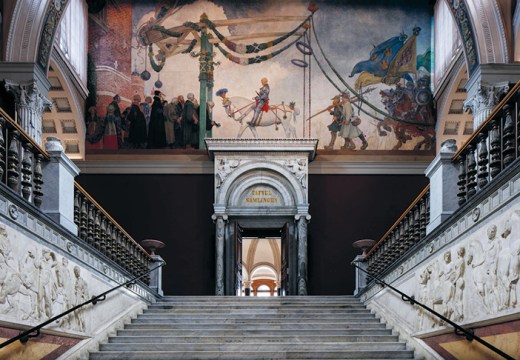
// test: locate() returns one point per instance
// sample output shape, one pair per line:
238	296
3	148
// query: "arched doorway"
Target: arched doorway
261	188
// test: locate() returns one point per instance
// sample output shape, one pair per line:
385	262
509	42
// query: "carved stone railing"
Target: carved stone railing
20	161
491	148
407	231
104	234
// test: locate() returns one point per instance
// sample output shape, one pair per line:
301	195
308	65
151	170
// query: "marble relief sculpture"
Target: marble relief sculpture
35	286
478	282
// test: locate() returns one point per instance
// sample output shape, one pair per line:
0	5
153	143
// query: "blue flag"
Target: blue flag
380	57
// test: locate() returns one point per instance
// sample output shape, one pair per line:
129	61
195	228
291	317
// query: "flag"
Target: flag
364	79
380	57
405	61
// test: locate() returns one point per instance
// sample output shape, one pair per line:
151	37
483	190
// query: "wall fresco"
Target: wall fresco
356	77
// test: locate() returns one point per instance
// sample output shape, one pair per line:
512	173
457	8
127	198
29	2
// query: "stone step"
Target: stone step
257	307
252	339
210	327
326	346
254	326
245	311
252	320
131	330
241	355
302	299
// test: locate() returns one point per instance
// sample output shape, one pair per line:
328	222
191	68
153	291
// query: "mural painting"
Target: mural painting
168	74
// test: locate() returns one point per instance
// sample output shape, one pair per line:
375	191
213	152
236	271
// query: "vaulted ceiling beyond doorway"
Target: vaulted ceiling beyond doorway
261	260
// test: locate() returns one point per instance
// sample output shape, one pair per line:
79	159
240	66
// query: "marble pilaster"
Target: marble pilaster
219	246
302	221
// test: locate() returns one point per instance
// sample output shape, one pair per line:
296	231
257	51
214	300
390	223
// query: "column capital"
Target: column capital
484	100
215	217
306	217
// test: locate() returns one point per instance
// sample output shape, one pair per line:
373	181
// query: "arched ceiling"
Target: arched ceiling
261	257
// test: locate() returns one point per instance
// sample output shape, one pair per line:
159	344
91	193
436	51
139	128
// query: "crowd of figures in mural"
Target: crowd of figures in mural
478	279
153	123
37	285
364	91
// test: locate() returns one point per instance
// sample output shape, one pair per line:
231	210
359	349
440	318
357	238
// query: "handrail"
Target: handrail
13	123
24	336
107	215
403	215
490	117
459	330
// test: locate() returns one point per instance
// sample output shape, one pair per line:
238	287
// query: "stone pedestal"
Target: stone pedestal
361	276
156	276
443	175
58	186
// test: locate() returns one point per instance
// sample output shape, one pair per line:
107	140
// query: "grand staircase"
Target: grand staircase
311	327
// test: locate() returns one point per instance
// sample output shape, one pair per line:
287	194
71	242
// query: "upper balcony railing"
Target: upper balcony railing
20	161
99	230
491	148
408	230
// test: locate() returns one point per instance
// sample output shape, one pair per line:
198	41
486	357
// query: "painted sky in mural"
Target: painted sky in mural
353	44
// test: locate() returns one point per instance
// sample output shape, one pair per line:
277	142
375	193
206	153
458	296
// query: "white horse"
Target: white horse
277	114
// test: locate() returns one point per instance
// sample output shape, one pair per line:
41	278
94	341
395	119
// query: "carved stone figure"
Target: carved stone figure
81	295
458	285
299	168
65	290
224	168
46	288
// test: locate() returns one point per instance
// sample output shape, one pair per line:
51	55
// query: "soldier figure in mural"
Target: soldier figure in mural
262	102
349	129
337	120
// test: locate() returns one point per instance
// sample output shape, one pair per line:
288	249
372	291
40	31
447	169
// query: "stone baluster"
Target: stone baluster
417	221
116	250
109	242
495	165
90	226
13	162
2	148
517	124
403	235
38	181
462	180
508	152
422	217
76	207
27	171
97	230
83	219
483	160
472	171
104	244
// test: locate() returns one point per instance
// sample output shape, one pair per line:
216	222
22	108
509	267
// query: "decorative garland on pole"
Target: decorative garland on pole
256	59
252	48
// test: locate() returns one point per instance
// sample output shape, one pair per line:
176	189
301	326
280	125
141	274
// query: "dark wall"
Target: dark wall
346	208
177	209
